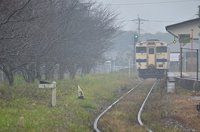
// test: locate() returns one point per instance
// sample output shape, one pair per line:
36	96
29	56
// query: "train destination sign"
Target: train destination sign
184	38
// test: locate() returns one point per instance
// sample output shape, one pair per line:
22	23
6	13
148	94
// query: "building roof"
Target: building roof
183	23
185	28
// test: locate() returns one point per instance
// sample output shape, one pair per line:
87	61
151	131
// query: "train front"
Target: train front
152	59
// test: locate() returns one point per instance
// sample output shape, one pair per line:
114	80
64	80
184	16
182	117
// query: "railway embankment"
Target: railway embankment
190	84
189	80
163	112
172	111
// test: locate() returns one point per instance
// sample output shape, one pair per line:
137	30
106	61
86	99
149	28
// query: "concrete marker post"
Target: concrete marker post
21	121
53	88
54	94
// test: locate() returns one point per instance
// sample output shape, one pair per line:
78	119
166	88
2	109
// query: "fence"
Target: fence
189	63
106	67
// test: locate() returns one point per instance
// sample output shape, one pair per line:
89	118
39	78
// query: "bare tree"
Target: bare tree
40	33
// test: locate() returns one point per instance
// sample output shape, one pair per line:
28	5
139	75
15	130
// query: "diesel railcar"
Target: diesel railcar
152	59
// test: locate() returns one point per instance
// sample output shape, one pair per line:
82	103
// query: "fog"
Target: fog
159	13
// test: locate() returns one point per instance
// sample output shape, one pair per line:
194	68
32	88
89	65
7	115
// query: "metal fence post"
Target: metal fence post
181	63
197	64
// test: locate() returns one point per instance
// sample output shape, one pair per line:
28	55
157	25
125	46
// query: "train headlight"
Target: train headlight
139	62
163	60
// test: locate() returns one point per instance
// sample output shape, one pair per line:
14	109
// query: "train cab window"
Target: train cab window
141	49
161	49
151	43
151	50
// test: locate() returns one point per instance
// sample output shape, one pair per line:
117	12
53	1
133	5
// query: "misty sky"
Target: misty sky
160	13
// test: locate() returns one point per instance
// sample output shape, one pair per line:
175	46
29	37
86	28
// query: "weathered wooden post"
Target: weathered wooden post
53	87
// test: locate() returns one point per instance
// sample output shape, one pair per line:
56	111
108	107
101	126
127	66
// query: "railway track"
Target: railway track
136	99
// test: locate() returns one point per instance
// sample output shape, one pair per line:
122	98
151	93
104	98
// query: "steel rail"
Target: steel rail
96	120
141	108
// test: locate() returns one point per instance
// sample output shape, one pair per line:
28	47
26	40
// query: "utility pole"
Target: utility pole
199	37
136	38
139	22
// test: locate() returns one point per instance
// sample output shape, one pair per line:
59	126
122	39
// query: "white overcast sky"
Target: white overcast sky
160	13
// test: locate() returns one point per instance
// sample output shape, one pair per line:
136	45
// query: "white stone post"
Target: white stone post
53	88
21	121
54	94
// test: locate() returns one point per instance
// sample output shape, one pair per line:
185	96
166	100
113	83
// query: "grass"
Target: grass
123	116
70	114
163	112
162	107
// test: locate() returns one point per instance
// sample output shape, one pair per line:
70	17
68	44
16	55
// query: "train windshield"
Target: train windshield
141	49
151	50
161	49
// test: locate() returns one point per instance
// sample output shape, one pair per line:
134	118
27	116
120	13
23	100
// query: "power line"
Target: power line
139	20
156	21
145	3
161	21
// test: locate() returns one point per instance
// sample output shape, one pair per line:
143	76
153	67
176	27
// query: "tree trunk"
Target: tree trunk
47	72
72	75
72	72
38	75
61	72
9	75
31	77
11	79
52	74
31	73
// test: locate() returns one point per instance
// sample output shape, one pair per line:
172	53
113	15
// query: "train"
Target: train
152	59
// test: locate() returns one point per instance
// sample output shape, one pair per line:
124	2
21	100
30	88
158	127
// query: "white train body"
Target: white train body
152	59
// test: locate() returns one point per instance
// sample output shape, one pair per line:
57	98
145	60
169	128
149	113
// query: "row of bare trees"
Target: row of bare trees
38	35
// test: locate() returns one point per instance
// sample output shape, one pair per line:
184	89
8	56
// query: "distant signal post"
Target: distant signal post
134	49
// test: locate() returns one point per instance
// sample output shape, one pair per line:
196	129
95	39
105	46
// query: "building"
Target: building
192	29
175	55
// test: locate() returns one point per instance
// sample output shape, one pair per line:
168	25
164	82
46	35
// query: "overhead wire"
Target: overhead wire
155	2
145	3
155	21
